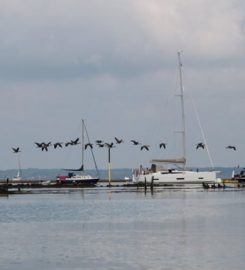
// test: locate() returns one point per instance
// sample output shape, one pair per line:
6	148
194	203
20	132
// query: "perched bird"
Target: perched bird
16	150
135	142
58	144
231	147
118	140
88	145
146	147
200	145
162	145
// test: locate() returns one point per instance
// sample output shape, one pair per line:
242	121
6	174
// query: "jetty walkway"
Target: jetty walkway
17	186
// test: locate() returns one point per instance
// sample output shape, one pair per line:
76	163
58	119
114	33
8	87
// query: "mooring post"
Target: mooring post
7	185
152	182
109	165
145	184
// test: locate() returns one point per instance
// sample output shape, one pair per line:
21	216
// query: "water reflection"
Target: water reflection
119	228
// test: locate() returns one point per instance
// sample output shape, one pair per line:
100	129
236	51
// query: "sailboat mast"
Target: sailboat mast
19	168
83	144
182	107
87	136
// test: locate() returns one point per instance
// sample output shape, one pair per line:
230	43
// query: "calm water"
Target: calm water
123	229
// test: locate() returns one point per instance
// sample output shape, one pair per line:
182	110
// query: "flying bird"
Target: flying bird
58	144
72	142
99	141
75	142
110	145
200	145
39	145
135	142
16	150
118	140
67	144
162	145
101	145
231	147
88	145
43	145
146	147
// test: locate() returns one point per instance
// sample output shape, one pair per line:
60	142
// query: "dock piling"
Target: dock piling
152	183
145	185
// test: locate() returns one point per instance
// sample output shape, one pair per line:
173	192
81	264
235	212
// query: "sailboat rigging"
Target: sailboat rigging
81	179
175	176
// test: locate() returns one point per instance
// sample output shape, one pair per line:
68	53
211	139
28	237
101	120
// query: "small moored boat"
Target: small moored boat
72	178
80	178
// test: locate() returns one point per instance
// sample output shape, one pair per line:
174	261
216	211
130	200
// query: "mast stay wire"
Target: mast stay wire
202	130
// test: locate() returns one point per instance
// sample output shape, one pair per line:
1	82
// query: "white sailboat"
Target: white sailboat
80	178
160	175
18	177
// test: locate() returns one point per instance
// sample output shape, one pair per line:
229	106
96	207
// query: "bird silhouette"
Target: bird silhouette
43	145
58	144
231	147
16	150
67	144
200	145
101	145
118	141
39	145
162	145
72	142
135	142
88	145
146	147
75	142
99	141
110	145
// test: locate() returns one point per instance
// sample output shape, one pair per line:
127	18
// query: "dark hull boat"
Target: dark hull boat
80	178
76	180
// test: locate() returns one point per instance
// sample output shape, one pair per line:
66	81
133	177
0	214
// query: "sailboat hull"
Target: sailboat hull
72	179
175	177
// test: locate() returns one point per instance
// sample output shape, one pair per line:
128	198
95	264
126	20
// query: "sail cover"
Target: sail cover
170	161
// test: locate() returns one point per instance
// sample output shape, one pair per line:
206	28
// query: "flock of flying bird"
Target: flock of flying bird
45	146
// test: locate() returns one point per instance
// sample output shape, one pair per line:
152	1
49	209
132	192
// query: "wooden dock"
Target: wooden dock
30	184
17	186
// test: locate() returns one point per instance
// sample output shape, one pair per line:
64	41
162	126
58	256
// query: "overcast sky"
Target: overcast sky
114	64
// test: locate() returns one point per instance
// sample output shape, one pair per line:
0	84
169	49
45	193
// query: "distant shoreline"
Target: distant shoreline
117	173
